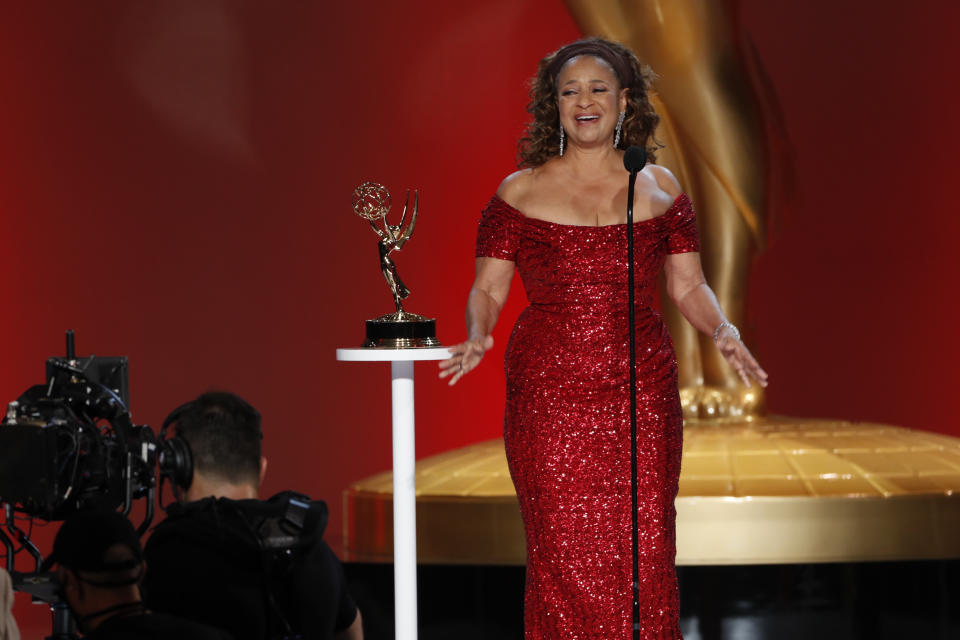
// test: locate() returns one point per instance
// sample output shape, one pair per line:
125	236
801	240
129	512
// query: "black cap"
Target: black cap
84	538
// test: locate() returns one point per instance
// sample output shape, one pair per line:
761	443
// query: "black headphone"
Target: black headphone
175	460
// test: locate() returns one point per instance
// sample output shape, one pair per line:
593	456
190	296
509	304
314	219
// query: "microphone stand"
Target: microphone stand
631	328
634	160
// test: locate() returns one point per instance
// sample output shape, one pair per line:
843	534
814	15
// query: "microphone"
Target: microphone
634	159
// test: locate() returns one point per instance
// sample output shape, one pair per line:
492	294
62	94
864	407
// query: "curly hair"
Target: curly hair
541	140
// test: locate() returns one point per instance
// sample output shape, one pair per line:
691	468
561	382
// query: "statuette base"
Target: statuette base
401	330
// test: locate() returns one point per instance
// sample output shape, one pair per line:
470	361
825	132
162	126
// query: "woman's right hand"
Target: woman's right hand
466	356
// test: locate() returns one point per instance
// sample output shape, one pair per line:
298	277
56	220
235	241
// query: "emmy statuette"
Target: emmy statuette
400	329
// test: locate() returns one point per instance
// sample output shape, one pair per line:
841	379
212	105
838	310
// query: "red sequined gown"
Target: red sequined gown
567	425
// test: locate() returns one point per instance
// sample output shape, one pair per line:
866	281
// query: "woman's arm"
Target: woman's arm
487	297
689	290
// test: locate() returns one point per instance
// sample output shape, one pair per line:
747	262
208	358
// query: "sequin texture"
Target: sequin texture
567	424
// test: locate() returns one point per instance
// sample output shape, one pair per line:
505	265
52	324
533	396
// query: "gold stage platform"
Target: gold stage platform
767	490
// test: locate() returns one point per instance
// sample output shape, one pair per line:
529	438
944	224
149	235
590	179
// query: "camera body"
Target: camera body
70	444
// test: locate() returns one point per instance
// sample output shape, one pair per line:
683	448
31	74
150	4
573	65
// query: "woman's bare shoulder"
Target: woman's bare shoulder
665	179
515	186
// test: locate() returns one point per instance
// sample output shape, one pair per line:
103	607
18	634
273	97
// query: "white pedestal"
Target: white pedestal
404	483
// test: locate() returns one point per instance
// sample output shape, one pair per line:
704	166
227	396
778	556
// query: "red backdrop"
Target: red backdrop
175	185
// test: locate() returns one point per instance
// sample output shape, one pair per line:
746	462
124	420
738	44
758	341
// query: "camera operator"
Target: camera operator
99	566
259	569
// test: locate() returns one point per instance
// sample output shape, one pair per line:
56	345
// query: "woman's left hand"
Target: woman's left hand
740	358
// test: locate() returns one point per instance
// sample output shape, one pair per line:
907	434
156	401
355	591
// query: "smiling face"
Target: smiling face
590	100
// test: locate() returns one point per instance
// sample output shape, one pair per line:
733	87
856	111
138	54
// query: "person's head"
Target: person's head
593	79
99	565
224	435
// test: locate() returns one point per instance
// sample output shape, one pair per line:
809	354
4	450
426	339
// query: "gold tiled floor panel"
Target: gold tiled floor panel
770	490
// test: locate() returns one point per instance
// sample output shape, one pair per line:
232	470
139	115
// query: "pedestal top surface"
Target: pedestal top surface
373	354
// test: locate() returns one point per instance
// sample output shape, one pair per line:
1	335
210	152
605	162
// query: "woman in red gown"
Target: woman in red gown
560	223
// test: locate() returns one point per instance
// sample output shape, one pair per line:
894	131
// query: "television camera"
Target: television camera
68	445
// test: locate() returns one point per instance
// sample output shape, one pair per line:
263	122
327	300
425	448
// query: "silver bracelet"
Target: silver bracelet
729	325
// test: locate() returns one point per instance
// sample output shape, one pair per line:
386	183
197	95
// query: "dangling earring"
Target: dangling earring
561	140
616	135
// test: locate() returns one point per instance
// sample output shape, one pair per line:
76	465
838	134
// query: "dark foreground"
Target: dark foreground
890	600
